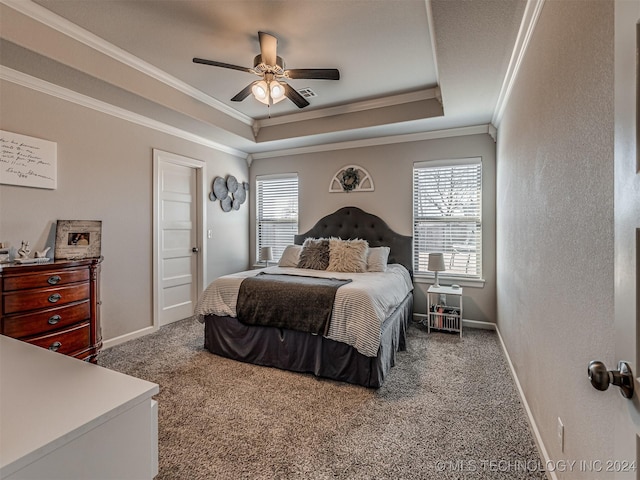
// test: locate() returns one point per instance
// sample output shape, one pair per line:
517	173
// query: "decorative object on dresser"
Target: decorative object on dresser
54	305
42	253
436	264
24	250
77	239
4	253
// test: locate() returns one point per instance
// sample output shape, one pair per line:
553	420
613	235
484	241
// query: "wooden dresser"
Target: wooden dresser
54	305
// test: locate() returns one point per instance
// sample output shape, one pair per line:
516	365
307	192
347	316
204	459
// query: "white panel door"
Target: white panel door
178	251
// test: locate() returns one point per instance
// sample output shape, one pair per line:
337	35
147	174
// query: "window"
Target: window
277	212
447	215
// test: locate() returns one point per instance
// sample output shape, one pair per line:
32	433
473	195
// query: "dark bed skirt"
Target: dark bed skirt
303	352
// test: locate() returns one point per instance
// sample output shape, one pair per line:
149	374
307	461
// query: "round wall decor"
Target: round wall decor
220	188
229	191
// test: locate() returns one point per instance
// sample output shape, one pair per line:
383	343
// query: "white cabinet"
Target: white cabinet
62	418
444	309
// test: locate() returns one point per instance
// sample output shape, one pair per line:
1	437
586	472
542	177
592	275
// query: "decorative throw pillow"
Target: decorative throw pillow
377	259
314	254
348	255
290	256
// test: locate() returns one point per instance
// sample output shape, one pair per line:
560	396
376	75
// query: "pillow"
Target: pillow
314	254
290	256
377	259
348	255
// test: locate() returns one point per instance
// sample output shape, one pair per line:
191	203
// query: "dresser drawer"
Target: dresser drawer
28	300
67	341
26	325
48	279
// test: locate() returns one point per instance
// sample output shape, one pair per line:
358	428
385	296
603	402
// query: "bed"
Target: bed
364	357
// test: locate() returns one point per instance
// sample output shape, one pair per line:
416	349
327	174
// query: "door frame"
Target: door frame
160	156
626	412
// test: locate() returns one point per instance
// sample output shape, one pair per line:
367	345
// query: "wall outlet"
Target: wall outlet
560	432
209	234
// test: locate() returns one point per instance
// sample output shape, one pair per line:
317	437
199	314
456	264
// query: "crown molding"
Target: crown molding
371	142
64	26
389	101
432	35
529	20
62	93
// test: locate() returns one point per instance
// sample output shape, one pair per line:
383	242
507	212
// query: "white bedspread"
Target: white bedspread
360	306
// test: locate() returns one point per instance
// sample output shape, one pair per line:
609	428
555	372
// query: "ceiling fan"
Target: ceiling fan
271	88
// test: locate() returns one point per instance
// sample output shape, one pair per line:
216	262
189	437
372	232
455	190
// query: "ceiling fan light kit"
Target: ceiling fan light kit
271	89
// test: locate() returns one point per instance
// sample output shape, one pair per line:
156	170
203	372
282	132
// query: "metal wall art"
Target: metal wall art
229	191
352	178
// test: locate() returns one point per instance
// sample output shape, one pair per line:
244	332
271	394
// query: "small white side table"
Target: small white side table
443	316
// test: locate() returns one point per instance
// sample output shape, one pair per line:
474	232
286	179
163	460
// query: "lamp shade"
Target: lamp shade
276	90
261	91
266	254
436	262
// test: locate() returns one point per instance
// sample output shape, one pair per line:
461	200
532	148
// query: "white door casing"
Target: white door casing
627	235
179	201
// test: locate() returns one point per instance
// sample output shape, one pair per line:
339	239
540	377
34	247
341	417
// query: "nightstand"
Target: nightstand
440	314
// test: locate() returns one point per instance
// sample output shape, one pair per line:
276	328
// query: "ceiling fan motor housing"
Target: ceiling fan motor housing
277	69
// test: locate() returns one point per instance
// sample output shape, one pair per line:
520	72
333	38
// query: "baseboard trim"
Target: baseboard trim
112	342
478	324
532	423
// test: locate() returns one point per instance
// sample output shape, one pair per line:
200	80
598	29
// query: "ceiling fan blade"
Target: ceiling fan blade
313	73
268	48
244	93
220	64
294	96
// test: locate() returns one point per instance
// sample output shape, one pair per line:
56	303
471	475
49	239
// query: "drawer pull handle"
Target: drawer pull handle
55	319
53	280
55	297
55	346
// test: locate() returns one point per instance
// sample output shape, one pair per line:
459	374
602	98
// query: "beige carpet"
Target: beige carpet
448	410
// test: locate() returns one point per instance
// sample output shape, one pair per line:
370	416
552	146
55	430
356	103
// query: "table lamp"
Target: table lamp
266	255
436	264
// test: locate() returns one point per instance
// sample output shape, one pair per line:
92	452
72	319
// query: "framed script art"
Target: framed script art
78	239
27	161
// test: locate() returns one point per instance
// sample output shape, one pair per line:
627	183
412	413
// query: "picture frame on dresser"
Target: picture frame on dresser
77	239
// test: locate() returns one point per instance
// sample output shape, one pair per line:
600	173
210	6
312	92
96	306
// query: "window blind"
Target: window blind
277	212
447	216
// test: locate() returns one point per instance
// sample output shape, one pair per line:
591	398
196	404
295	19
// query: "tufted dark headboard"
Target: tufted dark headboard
352	222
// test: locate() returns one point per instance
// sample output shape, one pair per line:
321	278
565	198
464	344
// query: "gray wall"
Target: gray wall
555	225
105	168
391	167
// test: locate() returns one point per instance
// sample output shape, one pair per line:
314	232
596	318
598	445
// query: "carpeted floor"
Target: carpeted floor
448	410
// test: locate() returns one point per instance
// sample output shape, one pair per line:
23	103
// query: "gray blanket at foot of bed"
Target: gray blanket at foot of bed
295	302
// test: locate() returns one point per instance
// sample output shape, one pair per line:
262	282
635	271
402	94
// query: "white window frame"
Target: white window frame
289	223
461	241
